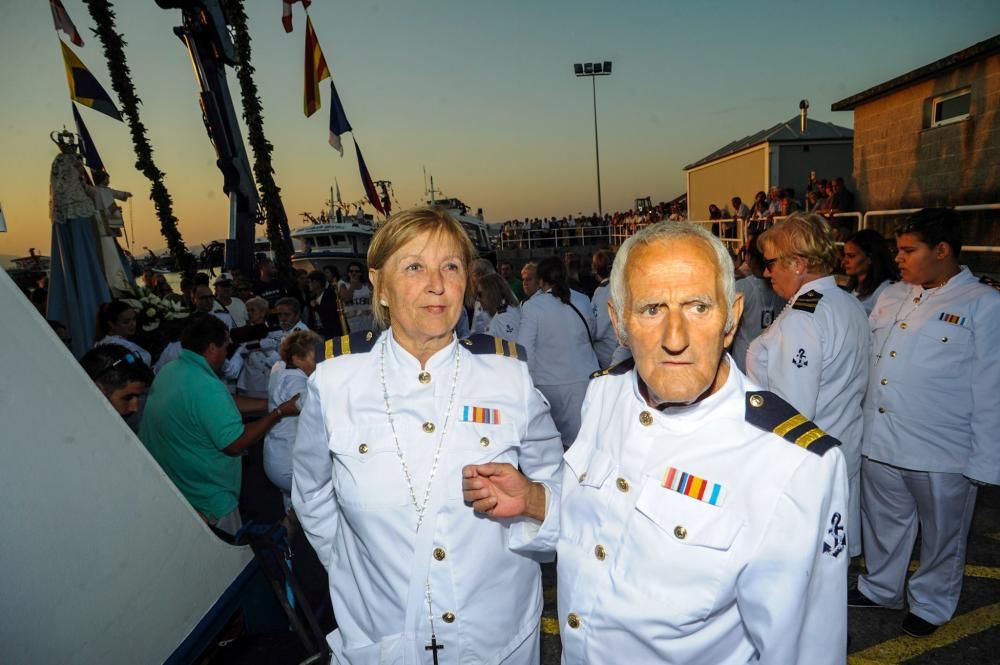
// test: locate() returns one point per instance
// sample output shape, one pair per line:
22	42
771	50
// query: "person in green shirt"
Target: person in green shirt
193	427
507	272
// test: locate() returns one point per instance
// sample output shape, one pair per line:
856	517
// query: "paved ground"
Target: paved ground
972	636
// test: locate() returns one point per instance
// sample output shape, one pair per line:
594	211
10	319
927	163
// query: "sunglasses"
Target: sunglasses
129	359
769	263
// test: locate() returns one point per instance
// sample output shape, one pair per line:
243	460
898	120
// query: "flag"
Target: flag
84	88
366	180
3	222
286	12
316	70
338	120
64	22
87	147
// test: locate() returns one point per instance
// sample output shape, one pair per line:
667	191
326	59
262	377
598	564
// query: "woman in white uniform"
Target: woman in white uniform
389	421
868	265
498	300
815	354
557	329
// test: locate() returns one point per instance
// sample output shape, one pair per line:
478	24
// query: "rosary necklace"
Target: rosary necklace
420	508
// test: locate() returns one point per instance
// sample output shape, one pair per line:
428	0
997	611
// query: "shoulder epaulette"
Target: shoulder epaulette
989	281
618	368
359	342
773	414
489	345
808	301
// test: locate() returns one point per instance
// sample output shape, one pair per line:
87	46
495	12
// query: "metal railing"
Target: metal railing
966	208
557	237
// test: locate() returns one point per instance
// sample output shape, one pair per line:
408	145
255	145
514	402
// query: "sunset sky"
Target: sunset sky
480	93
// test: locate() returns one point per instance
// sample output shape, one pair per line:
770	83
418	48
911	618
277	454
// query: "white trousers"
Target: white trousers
894	503
564	403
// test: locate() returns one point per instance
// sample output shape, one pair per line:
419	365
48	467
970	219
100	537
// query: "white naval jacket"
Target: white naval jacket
648	574
934	395
605	340
352	498
815	356
557	341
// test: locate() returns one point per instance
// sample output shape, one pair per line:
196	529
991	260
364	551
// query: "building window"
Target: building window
953	107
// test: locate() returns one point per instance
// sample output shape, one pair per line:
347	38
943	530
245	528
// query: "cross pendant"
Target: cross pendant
434	647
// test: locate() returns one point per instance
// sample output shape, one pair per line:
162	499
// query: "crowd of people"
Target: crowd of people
674	422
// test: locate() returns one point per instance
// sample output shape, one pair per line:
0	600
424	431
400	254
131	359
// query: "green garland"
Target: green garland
121	80
270	193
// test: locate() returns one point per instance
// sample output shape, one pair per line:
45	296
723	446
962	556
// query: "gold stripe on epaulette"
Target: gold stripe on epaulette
499	346
345	345
513	349
809	437
790	424
329	348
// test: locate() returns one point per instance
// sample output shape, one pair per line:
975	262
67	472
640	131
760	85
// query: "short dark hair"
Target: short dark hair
602	261
317	276
933	226
289	302
112	367
201	279
203	330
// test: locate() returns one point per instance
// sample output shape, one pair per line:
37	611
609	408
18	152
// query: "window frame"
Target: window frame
937	101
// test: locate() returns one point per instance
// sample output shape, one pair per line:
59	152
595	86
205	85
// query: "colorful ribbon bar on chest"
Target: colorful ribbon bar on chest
952	318
480	414
693	486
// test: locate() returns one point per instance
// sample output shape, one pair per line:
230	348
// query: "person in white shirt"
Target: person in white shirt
356	294
498	300
760	305
692	528
389	421
868	265
226	302
815	354
480	317
529	279
605	340
557	326
116	323
931	419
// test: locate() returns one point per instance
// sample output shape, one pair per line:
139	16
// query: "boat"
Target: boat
335	244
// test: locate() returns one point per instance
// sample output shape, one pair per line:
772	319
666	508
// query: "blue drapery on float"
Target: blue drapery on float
77	285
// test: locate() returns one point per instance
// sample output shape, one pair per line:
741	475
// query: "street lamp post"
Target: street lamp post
593	70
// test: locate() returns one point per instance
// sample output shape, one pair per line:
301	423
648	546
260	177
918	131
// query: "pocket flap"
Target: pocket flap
590	466
685	520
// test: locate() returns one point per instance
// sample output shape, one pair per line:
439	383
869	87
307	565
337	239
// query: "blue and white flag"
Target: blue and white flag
338	120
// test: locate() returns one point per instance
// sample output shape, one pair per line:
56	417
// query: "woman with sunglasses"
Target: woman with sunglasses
356	294
815	353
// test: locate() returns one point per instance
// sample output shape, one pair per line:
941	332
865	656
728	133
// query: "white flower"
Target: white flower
151	312
151	326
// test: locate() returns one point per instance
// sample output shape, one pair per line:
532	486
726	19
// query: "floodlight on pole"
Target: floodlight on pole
593	70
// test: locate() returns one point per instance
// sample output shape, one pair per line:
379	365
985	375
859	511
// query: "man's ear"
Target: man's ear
736	313
618	325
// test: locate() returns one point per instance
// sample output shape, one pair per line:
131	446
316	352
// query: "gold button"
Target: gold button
484	442
903	325
439	553
881	409
646	418
622	484
573	620
428	427
944	339
363	448
448	617
680	533
884	382
583	476
424	377
892	354
756	401
600	553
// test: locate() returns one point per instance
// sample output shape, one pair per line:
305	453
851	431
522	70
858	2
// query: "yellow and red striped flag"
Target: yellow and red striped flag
316	70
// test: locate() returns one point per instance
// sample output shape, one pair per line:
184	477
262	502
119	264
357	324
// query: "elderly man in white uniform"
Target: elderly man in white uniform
932	415
815	353
693	528
389	422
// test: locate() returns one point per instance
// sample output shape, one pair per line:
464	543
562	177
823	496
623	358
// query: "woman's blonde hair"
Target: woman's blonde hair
495	292
403	227
297	345
803	234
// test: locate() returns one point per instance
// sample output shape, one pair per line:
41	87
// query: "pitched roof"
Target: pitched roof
974	52
790	130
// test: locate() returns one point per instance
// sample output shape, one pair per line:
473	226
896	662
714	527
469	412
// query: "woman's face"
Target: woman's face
256	314
307	362
785	272
423	284
855	262
124	325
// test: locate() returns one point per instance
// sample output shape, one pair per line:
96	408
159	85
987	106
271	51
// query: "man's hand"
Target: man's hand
289	407
500	490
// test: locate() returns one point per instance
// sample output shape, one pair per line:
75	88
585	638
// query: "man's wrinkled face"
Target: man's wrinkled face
675	320
287	317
